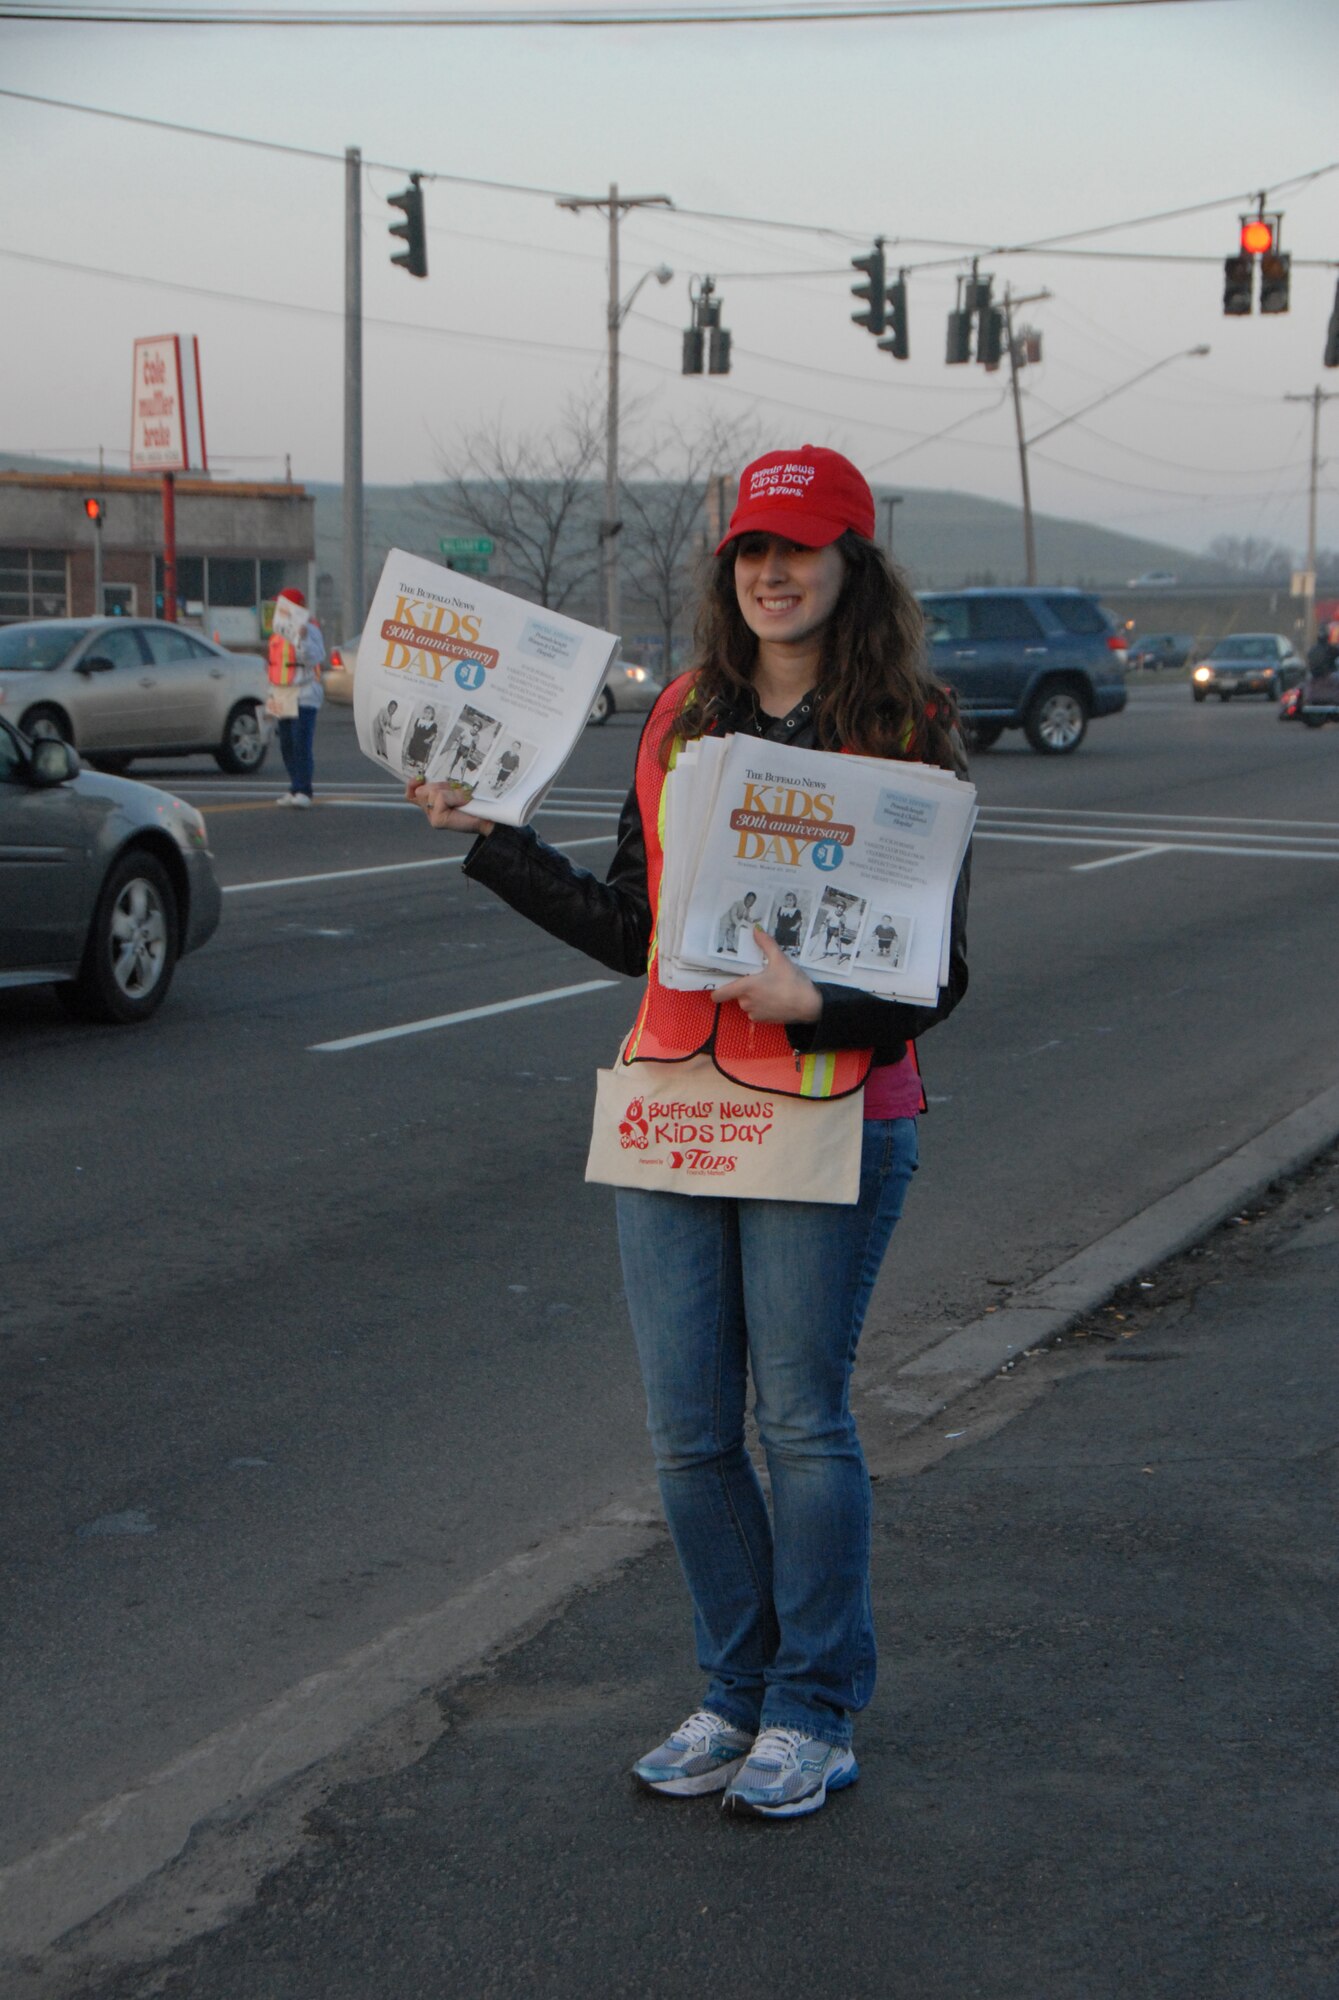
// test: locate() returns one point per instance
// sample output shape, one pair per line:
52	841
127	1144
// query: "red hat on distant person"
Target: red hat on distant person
810	496
294	595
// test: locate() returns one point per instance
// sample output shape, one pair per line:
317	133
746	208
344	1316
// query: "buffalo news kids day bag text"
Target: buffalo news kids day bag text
461	684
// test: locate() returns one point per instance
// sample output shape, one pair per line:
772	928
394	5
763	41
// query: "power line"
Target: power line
959	249
703	16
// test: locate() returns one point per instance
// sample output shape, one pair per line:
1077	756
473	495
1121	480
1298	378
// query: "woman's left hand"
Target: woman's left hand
780	992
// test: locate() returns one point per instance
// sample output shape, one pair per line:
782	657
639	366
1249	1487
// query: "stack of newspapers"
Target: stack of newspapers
848	863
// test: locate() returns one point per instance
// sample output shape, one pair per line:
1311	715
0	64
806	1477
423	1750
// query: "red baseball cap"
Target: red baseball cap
294	595
810	496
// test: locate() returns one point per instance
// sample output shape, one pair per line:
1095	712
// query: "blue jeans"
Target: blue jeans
295	747
717	1286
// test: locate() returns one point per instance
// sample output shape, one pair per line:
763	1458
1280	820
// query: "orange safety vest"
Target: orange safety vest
282	665
671	1026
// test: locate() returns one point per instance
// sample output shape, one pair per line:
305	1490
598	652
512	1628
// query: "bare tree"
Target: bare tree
1262	561
536	498
666	509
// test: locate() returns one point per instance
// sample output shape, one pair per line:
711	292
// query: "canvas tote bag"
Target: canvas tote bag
683	1128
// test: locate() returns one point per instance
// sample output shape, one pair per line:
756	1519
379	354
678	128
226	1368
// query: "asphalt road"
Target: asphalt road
300	1340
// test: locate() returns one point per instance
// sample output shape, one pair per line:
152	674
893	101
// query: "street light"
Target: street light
616	206
1026	444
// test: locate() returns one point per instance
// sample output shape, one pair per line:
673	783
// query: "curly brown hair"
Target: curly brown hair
874	694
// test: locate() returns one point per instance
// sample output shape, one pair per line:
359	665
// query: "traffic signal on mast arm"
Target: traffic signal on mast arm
706	340
1238	285
898	343
96	511
990	337
1275	276
414	256
874	318
1332	337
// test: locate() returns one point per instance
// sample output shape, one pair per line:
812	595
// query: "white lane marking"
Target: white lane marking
1185	819
452	1020
386	868
1154	831
1168	847
1115	860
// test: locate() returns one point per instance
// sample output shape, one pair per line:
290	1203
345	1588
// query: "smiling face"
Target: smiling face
786	594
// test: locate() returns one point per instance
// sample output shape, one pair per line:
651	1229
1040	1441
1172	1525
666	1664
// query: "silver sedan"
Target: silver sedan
104	883
120	688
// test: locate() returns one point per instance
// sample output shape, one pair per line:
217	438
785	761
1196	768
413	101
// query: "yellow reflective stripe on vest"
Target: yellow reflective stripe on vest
818	1074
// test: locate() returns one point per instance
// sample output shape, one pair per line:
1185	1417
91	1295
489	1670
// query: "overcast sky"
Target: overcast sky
965	130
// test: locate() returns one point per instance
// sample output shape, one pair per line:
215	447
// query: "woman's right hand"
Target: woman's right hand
442	807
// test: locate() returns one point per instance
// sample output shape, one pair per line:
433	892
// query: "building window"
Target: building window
232	581
32	584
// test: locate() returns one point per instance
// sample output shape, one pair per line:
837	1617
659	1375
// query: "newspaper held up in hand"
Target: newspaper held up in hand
461	684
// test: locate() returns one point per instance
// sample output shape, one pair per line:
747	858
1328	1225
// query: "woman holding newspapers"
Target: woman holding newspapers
807	639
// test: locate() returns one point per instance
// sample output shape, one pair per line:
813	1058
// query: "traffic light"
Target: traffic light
96	511
1275	276
990	337
1238	285
959	336
1257	235
1332	337
414	256
874	318
977	299
706	340
898	343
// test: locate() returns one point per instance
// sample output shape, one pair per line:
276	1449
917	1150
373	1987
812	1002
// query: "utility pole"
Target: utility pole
1316	398
617	207
352	560
891	500
1029	534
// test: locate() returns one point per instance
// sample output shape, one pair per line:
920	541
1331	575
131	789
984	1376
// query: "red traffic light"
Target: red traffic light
1257	236
94	511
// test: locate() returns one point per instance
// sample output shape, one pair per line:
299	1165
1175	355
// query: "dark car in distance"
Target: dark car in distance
1047	662
1155	651
1247	663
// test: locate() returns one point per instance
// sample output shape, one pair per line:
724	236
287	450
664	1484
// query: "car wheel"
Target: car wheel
131	951
1197	694
1057	721
604	707
1223	695
981	735
244	741
47	722
1313	721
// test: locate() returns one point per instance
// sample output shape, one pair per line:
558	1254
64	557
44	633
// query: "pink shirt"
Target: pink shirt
893	1090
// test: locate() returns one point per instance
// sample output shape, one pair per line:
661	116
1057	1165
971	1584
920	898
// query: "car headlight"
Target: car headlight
192	824
635	673
1203	673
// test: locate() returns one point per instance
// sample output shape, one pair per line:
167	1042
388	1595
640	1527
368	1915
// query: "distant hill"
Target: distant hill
942	537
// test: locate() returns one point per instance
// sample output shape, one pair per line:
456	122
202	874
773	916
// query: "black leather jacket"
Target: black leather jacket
611	920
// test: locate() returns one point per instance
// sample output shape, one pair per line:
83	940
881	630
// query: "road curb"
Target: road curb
1044	1310
119	1846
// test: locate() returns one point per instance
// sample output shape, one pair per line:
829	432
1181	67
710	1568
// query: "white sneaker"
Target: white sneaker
300	799
284	799
702	1755
788	1773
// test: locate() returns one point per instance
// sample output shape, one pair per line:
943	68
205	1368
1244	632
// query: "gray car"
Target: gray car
121	688
104	883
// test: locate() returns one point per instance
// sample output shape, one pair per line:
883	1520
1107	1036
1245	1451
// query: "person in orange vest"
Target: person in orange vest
298	664
807	636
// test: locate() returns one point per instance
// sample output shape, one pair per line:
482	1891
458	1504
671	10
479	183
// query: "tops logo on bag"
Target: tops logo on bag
782	482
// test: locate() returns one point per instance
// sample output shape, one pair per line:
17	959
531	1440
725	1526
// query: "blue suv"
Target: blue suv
1043	661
